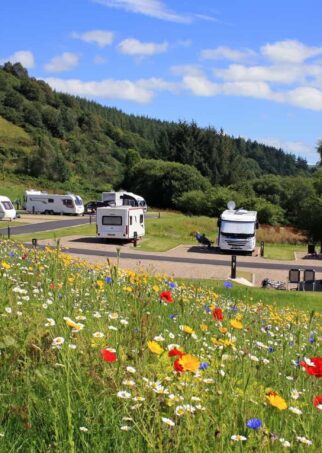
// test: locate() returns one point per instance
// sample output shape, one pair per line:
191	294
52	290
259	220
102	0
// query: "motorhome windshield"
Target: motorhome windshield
78	201
230	227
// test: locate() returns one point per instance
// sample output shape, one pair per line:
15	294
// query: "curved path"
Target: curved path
51	225
214	261
45	226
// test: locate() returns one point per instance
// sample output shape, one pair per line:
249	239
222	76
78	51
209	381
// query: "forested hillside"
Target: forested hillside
82	146
57	136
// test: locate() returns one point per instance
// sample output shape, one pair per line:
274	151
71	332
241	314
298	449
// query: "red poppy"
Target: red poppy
218	315
317	401
177	366
175	352
166	296
108	356
314	369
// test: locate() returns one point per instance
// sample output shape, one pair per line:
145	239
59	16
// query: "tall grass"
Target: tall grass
58	394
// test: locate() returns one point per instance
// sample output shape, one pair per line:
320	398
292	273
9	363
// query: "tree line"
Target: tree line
172	164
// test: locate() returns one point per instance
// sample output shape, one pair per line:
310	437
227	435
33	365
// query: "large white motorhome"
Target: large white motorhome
123	222
7	210
124	199
237	230
44	203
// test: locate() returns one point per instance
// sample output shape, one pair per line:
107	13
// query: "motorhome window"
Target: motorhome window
68	203
141	218
78	201
111	220
7	205
128	202
50	200
142	203
237	227
131	220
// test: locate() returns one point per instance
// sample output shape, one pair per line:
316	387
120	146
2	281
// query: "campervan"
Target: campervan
7	210
45	203
124	199
237	230
123	222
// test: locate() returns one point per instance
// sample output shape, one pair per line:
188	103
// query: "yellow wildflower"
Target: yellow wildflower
236	324
223	330
5	265
189	363
277	401
127	289
73	324
155	347
156	288
204	327
100	284
222	342
187	329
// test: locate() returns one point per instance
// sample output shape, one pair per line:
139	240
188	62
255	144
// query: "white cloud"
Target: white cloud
100	37
298	148
187	69
63	62
138	48
289	51
226	53
98	59
284	74
141	91
306	97
199	85
25	57
152	8
206	17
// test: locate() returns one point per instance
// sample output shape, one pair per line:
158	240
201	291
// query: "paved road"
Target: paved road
197	261
46	226
52	225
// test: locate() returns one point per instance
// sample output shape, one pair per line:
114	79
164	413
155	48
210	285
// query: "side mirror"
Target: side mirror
218	223
257	225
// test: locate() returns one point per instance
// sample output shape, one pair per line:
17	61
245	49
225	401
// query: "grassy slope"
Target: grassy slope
11	135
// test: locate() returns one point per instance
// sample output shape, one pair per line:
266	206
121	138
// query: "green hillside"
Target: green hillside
58	136
60	142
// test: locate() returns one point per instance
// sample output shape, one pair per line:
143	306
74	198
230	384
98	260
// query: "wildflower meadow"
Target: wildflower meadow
99	359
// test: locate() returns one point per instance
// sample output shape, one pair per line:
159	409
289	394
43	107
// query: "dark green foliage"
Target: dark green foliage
171	164
160	183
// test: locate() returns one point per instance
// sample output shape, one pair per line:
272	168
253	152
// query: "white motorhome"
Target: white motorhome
123	222
124	199
237	230
45	203
7	210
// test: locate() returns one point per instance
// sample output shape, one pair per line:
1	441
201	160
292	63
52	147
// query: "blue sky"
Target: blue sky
252	68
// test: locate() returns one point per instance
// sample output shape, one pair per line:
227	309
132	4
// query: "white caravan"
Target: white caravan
123	222
124	199
237	230
45	203
7	210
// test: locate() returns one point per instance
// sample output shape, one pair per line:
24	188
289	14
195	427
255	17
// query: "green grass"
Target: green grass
306	301
282	251
171	230
81	230
67	398
11	135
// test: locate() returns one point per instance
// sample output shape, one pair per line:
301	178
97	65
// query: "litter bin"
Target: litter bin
311	249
